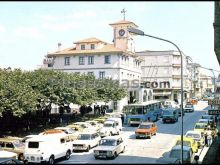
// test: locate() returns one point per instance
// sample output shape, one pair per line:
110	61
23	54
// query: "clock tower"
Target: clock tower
122	38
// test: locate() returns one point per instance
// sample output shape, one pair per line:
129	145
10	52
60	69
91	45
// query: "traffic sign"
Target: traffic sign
214	102
214	112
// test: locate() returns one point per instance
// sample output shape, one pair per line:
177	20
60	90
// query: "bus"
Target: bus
140	112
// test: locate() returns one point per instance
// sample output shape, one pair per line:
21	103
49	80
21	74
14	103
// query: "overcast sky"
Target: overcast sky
28	30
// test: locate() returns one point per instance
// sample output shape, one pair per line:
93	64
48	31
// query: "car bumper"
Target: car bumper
78	148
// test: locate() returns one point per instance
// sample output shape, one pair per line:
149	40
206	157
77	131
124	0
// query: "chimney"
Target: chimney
59	46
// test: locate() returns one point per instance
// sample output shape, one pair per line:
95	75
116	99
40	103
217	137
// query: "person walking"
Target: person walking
206	138
209	136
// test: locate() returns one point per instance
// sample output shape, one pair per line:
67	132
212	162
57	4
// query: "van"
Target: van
47	148
118	122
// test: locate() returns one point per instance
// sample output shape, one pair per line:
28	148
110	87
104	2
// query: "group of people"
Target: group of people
100	110
210	133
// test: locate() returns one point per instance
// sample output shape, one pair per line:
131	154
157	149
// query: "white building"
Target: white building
163	68
117	61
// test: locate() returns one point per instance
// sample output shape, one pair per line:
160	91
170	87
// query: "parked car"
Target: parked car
170	115
95	124
10	161
188	142
52	131
85	141
189	108
48	148
70	131
109	147
200	127
174	157
197	136
13	145
211	118
109	128
101	119
146	129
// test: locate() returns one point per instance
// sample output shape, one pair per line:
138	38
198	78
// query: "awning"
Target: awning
162	93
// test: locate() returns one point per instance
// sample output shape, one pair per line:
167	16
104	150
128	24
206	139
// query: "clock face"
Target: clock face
121	32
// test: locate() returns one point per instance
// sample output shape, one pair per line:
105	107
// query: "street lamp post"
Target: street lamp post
141	33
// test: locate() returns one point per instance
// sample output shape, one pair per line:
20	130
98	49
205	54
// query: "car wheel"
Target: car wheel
88	148
21	157
110	134
150	136
51	160
67	155
96	157
115	155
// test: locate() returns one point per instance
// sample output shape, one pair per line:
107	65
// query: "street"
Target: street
147	150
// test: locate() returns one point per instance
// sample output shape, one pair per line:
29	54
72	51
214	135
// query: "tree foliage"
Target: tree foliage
22	92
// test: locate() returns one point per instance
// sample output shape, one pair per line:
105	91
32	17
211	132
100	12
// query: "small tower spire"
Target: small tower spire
123	11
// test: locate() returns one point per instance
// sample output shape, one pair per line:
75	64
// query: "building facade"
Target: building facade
162	67
117	61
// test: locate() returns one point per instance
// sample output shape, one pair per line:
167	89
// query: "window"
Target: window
33	144
91	73
67	60
91	60
62	140
82	47
107	59
81	60
9	145
92	46
101	75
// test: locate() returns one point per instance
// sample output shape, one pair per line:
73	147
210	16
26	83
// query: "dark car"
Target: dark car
10	161
170	115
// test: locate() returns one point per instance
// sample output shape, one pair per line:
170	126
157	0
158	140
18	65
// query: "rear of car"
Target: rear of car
189	108
170	115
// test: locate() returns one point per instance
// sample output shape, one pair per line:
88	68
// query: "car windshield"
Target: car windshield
177	154
185	143
198	126
107	142
18	144
203	121
193	135
107	125
207	117
84	137
166	112
144	126
188	106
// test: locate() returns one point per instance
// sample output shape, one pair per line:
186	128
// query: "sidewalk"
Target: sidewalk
213	154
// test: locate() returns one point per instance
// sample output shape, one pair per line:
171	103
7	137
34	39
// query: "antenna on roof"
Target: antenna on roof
123	11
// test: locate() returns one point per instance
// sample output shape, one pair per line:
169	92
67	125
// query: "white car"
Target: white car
204	121
85	141
7	154
27	137
109	147
109	128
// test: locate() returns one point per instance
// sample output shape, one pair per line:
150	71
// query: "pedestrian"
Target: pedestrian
206	139
122	118
209	136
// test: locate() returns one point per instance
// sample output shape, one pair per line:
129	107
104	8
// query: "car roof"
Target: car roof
201	124
191	131
178	147
88	132
203	119
39	138
147	123
112	137
8	140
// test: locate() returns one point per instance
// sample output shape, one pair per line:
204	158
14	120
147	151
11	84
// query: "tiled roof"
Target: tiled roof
123	22
89	40
107	48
